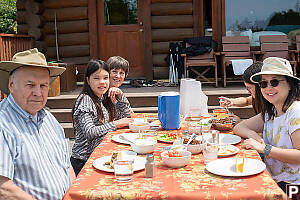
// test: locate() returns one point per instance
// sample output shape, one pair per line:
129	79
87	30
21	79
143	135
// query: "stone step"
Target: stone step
65	115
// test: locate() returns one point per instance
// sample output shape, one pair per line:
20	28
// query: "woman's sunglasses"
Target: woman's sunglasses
273	83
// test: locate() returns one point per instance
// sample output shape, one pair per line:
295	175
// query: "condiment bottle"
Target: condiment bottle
149	166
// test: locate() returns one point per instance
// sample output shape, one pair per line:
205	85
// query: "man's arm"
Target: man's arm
9	191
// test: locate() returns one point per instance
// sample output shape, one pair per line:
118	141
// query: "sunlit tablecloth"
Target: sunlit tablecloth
190	182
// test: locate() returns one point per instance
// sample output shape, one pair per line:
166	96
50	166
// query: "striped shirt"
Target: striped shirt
34	153
89	132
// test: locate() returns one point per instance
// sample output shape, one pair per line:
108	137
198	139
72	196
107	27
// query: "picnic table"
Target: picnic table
190	182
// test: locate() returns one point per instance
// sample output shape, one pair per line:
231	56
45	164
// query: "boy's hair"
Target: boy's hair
117	62
251	70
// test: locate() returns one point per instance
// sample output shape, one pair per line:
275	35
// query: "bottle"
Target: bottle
149	166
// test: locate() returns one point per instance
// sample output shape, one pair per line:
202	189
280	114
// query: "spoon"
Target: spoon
126	139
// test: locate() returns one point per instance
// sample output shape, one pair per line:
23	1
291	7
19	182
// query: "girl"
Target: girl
94	114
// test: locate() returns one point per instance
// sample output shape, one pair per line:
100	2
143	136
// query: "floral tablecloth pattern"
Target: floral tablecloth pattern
191	182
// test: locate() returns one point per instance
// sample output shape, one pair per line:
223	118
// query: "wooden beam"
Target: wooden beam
65	4
161	35
21	17
66	14
198	18
69	51
68	39
172	9
93	29
172	21
148	39
77	26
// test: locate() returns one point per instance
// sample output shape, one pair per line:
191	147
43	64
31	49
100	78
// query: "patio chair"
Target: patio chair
276	46
234	47
201	65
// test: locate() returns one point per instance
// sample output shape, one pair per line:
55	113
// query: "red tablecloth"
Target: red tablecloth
190	182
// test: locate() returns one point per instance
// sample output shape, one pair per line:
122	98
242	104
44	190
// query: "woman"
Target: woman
279	121
94	114
255	99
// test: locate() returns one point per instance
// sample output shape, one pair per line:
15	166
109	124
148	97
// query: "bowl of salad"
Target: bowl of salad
169	137
176	158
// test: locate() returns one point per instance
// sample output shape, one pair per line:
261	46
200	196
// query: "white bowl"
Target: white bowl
195	148
139	126
176	162
143	146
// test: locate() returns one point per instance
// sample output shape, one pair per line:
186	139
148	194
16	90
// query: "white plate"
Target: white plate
130	136
139	163
228	139
227	150
226	167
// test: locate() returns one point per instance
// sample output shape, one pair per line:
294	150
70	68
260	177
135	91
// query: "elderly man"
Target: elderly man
34	154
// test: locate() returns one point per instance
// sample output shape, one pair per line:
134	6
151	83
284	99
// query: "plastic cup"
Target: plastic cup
123	170
195	114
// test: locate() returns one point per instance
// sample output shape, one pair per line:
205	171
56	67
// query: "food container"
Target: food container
176	162
143	146
139	126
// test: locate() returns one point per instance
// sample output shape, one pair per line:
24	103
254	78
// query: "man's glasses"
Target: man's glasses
273	83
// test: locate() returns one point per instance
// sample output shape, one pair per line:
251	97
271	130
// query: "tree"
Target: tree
8	11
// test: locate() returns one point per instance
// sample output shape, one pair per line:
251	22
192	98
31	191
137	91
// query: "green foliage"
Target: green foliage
8	11
289	17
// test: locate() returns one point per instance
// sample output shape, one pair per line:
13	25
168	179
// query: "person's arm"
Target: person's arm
123	108
72	175
239	102
250	128
10	191
291	156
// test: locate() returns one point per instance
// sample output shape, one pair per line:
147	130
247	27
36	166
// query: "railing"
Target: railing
10	44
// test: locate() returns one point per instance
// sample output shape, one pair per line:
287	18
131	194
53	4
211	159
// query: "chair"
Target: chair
276	46
234	47
200	65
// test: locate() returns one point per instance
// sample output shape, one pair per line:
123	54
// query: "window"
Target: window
244	17
118	12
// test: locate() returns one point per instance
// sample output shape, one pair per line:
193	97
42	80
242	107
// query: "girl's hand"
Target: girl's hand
251	143
120	123
113	92
225	102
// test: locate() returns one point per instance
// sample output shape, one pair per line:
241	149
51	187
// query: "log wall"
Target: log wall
171	20
72	28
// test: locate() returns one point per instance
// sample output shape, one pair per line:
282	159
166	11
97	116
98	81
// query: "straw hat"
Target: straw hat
31	57
274	66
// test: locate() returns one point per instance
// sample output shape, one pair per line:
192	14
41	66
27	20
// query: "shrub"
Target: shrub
8	11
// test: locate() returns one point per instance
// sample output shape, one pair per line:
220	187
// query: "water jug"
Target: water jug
168	110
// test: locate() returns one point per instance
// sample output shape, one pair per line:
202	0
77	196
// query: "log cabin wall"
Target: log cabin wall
72	28
172	20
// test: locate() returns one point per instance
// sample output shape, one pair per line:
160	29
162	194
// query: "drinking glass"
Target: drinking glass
194	128
210	152
123	170
240	159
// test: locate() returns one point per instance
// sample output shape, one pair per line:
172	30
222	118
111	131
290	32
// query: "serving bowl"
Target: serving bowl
195	148
143	146
222	127
139	126
176	162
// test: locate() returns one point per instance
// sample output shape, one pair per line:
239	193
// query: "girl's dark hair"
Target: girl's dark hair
251	70
293	95
93	66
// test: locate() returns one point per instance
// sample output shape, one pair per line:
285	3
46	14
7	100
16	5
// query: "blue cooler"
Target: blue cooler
168	110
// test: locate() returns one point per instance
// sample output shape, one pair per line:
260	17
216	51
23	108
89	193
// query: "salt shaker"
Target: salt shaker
149	166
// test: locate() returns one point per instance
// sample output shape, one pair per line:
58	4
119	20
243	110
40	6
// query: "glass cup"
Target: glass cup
213	136
210	152
123	170
240	159
194	128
